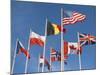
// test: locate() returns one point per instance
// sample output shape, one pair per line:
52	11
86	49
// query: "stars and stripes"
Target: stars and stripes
55	29
73	17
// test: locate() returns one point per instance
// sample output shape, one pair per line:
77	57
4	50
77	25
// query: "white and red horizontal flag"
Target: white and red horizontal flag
36	39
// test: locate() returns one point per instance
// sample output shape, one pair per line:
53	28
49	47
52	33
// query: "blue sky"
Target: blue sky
26	15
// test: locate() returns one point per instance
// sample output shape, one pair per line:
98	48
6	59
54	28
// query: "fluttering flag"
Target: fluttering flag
46	63
71	48
72	17
56	56
36	39
86	39
20	49
54	29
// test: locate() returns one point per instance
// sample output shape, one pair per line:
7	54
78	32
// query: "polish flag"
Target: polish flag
36	39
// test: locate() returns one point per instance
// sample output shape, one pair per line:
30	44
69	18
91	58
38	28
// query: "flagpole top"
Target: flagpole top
17	39
30	30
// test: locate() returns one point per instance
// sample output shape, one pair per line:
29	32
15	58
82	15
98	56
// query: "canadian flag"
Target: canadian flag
36	39
71	48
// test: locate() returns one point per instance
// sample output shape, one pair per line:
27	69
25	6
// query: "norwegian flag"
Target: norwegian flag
86	39
56	56
72	17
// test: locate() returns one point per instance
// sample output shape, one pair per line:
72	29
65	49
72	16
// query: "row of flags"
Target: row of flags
55	29
69	47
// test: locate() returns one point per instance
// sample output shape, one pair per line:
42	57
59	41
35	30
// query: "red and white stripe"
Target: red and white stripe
37	39
76	17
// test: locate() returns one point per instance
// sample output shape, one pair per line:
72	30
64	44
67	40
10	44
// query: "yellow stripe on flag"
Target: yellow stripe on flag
56	29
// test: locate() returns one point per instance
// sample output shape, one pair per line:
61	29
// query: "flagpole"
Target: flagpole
79	52
62	52
13	64
28	51
44	44
39	63
50	60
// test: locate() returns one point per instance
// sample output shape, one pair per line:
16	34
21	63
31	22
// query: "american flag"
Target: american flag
73	17
86	39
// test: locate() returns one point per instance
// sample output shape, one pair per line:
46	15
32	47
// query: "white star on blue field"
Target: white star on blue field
26	15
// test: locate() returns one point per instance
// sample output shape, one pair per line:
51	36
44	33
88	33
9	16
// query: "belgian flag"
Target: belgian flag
54	29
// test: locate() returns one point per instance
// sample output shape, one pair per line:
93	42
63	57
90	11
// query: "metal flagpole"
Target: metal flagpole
44	45
13	63
50	60
28	51
39	63
79	51
62	50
